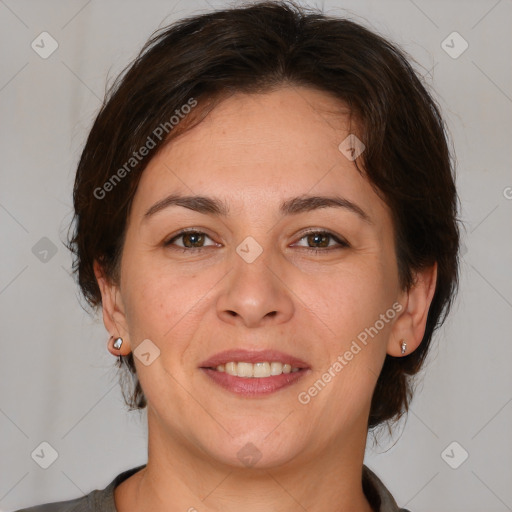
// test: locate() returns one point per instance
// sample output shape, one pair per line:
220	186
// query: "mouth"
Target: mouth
254	373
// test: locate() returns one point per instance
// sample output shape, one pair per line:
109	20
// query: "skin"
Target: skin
254	152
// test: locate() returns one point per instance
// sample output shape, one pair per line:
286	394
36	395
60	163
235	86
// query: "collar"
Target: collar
375	491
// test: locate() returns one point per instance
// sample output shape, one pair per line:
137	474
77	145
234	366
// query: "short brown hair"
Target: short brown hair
257	48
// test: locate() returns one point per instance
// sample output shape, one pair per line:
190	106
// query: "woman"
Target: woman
265	210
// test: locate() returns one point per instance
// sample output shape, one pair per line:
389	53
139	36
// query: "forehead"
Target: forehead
255	147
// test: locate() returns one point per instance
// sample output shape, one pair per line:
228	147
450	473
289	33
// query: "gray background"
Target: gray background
57	379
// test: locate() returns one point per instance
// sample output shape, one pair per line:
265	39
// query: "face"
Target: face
269	273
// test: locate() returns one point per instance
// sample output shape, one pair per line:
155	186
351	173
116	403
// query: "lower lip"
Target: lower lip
254	386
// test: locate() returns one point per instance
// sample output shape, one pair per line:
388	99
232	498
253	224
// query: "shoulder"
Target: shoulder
377	493
75	505
95	501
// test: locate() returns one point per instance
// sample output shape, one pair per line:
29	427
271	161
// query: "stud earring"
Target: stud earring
117	343
403	346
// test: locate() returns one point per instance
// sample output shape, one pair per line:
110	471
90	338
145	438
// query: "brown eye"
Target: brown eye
318	240
193	239
189	240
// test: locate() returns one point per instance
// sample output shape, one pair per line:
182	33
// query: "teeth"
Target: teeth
245	369
257	370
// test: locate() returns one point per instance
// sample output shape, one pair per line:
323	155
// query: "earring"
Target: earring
117	343
404	346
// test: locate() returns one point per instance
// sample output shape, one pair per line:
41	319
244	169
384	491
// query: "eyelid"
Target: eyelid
340	240
170	240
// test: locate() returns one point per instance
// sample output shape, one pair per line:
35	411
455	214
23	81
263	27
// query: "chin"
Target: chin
254	454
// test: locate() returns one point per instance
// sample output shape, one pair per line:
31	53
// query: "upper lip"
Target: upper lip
253	356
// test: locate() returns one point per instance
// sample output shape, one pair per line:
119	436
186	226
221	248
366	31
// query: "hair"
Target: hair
255	49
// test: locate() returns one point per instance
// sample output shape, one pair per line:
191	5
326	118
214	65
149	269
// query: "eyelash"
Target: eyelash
342	243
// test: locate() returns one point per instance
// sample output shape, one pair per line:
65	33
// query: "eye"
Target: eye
319	241
190	240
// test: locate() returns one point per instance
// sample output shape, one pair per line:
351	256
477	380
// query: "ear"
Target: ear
114	317
410	325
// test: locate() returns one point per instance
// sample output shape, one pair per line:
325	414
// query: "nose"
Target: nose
255	294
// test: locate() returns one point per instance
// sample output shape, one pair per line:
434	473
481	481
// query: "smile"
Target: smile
256	370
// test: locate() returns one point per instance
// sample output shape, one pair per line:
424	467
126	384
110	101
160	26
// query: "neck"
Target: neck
180	477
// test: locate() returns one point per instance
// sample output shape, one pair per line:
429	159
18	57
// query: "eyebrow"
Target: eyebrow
294	206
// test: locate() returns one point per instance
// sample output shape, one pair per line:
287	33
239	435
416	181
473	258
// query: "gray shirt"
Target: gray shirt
103	500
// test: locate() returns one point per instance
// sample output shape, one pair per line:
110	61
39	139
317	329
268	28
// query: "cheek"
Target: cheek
347	306
349	299
357	309
161	298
